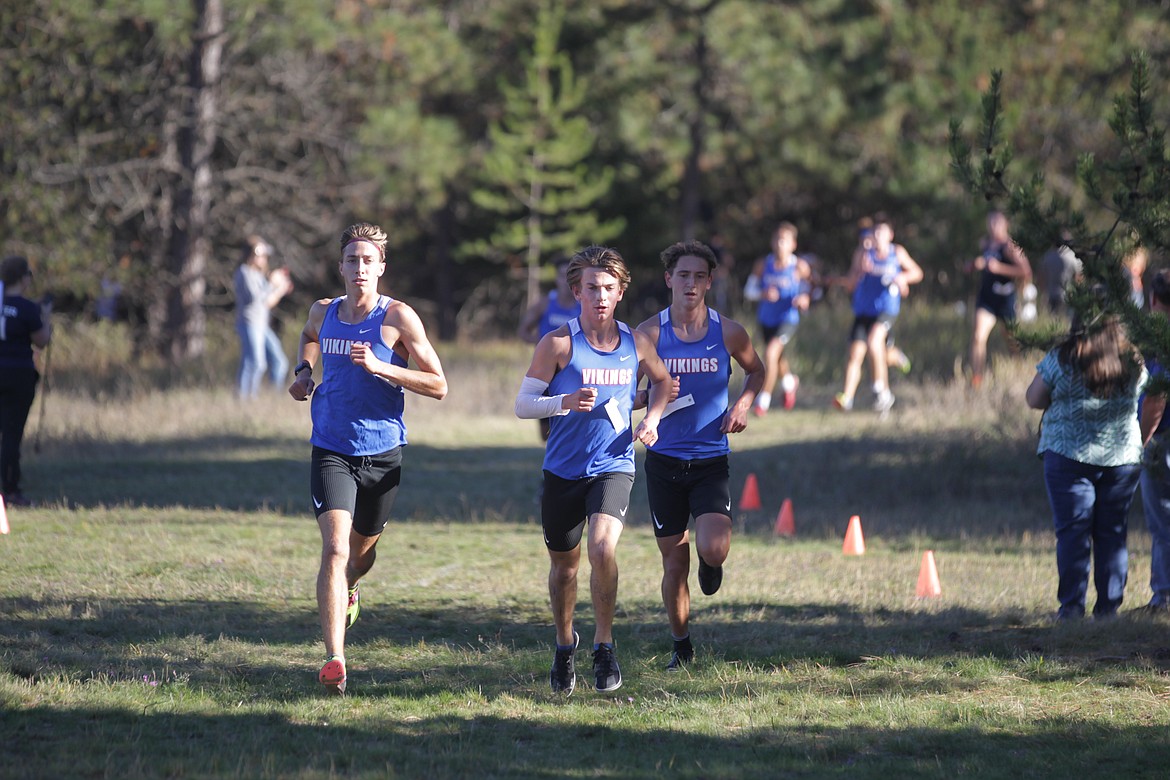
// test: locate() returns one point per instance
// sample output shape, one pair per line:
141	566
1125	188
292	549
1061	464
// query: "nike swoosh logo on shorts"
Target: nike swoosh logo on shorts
657	524
317	503
624	508
729	505
624	357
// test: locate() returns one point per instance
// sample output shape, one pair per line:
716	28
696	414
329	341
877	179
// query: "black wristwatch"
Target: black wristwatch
302	366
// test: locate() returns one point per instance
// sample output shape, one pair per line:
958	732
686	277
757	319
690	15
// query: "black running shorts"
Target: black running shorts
863	324
567	503
681	489
784	331
362	485
1002	306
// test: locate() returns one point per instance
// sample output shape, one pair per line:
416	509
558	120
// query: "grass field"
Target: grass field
157	616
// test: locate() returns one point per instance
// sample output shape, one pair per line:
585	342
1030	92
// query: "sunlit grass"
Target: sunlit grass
157	612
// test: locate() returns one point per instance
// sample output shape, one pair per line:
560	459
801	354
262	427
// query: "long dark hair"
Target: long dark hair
1102	354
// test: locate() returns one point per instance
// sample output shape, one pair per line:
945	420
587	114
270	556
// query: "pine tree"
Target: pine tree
536	173
1130	188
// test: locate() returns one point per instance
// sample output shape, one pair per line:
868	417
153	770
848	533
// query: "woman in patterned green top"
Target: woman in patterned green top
1090	441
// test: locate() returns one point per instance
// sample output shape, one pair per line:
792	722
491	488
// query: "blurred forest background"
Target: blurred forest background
143	140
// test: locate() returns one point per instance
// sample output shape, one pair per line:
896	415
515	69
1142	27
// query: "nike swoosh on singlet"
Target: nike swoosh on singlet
711	347
624	357
367	330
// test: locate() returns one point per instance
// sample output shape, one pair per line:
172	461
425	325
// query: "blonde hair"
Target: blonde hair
365	231
601	257
1137	258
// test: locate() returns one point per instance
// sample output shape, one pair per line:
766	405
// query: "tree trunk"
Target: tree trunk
156	289
188	245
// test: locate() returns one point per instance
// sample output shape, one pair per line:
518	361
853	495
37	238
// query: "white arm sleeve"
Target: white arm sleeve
752	290
532	404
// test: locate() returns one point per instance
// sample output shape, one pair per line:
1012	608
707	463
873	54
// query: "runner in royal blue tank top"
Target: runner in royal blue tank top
584	376
781	283
364	342
551	312
880	276
686	470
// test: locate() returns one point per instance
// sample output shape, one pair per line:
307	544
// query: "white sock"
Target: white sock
878	388
788	383
764	400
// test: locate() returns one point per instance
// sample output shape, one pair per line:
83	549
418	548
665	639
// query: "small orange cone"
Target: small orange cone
785	523
854	541
3	517
928	587
751	494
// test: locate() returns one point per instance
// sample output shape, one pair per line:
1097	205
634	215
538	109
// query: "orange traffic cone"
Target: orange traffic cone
3	517
854	541
928	587
785	523
751	494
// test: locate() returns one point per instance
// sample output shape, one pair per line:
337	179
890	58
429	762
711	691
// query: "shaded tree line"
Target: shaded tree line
143	140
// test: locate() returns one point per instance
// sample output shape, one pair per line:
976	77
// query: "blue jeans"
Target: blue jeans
260	351
1090	510
1156	505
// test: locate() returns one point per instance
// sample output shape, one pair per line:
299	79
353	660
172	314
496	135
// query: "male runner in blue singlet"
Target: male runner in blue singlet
551	312
364	341
880	276
780	282
686	469
584	375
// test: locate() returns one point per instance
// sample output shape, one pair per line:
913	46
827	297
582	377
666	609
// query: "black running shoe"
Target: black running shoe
605	669
563	677
683	654
710	577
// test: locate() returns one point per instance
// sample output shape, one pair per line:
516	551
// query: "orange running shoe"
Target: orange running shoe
332	675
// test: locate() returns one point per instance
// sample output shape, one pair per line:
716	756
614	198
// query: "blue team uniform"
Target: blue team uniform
586	444
703	368
876	294
786	279
354	412
557	313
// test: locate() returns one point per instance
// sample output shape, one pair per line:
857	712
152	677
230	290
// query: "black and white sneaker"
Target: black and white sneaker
710	577
563	677
683	654
605	668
